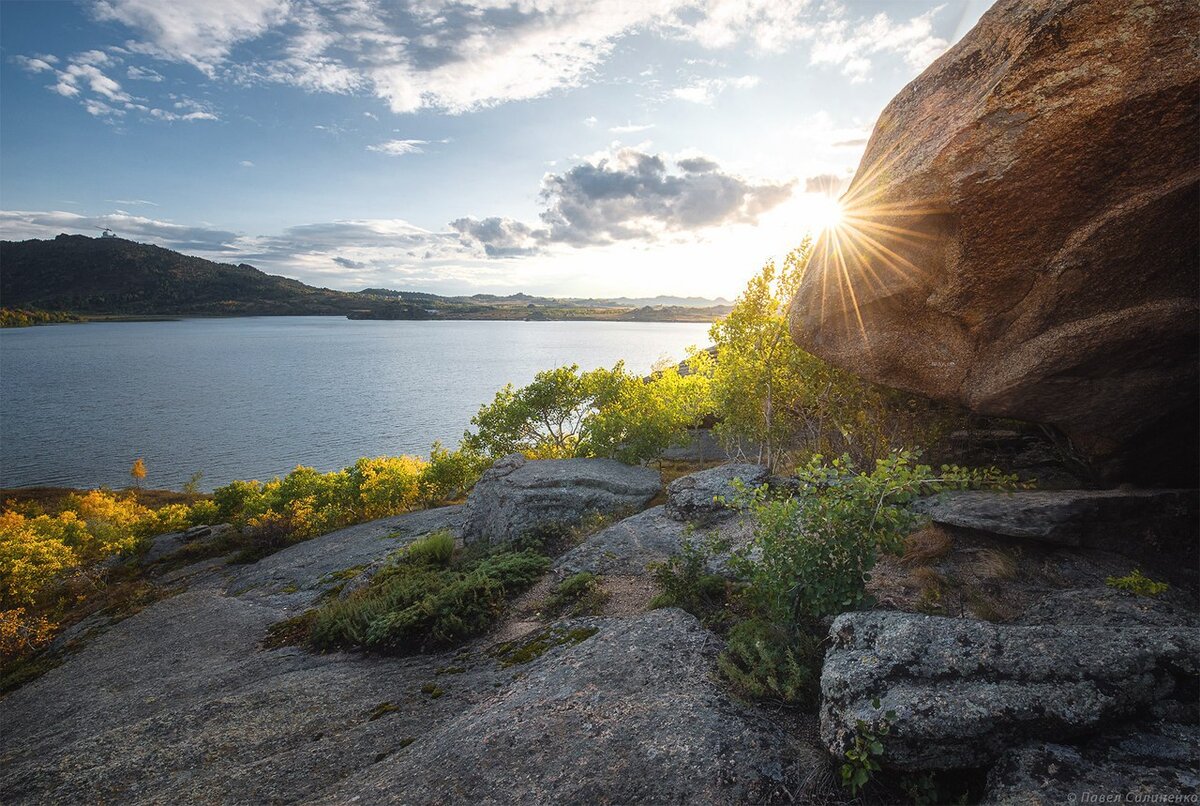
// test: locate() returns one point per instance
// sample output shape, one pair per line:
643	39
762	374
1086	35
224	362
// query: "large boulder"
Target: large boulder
965	691
518	497
1021	234
708	496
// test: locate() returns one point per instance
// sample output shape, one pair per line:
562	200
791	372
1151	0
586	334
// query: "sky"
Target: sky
559	147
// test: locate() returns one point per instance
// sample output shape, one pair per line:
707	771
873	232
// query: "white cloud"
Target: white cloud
398	148
627	195
839	42
464	55
200	32
143	74
133	202
631	128
590	121
246	164
706	90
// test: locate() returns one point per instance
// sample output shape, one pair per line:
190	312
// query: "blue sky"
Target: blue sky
571	147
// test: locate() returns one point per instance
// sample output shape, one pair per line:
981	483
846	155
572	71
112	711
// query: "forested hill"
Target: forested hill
116	277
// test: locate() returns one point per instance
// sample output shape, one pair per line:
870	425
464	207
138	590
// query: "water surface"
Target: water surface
254	397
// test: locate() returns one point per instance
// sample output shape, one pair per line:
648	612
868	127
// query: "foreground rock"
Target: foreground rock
965	691
629	715
1117	520
182	704
1022	233
706	497
517	497
1154	766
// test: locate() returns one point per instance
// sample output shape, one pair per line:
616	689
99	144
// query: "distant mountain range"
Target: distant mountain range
116	277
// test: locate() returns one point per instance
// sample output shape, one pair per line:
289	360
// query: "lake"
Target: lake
254	397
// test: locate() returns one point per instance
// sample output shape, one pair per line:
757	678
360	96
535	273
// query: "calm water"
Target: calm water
254	397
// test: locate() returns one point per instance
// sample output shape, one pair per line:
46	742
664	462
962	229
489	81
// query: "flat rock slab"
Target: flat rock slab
626	547
707	496
1154	766
629	715
964	691
518	497
1110	519
630	546
181	704
317	565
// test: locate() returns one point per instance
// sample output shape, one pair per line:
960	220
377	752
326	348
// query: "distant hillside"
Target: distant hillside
116	277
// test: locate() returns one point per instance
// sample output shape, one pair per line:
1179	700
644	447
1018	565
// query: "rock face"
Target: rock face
517	497
182	703
693	498
1131	767
630	715
1108	519
1021	234
964	691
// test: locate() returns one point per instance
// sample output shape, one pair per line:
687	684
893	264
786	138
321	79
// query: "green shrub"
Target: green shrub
765	661
685	582
433	549
815	550
605	412
1137	583
414	604
577	595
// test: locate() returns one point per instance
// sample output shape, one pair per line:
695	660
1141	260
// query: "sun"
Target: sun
825	213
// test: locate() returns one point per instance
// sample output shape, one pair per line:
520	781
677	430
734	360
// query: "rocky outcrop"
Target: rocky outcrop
183	703
705	497
1091	518
518	497
629	715
1158	765
1021	234
963	692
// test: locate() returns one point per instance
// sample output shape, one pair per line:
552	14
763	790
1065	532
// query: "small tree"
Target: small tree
138	472
759	369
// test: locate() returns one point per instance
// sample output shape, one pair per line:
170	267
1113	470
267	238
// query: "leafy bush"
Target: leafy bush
1137	583
685	582
767	661
417	604
605	412
433	549
815	550
773	400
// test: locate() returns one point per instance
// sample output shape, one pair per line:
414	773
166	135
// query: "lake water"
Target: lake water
254	397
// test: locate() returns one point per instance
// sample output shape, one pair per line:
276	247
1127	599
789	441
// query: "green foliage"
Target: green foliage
419	602
577	595
775	401
605	412
306	503
21	317
865	749
767	661
1137	583
816	549
684	581
433	549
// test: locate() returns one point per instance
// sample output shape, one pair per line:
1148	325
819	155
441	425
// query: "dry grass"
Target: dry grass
994	564
926	546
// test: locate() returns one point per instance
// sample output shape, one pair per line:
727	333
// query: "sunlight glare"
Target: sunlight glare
826	213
